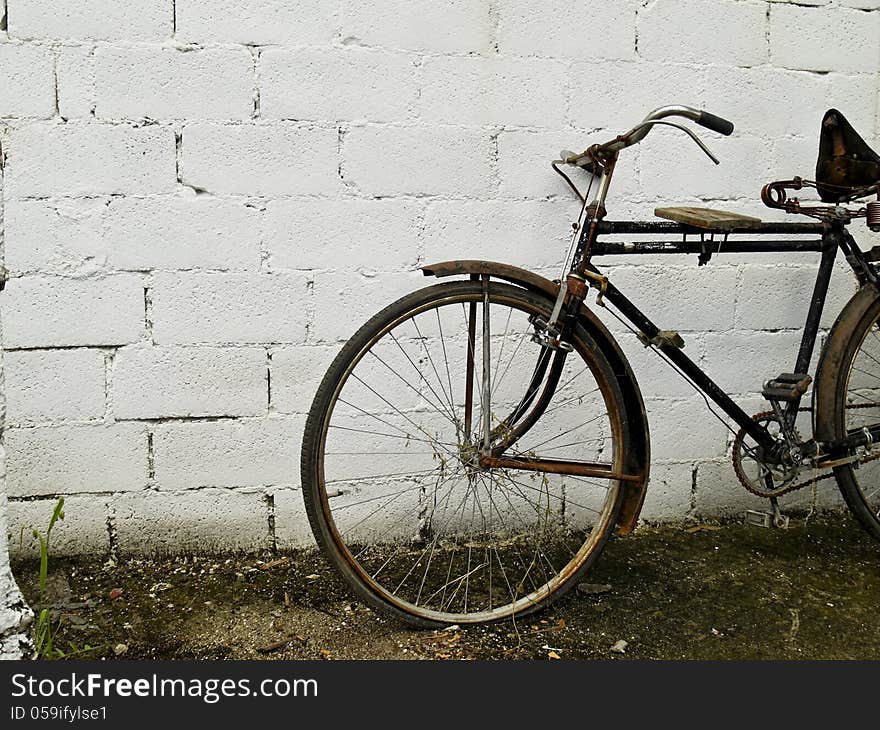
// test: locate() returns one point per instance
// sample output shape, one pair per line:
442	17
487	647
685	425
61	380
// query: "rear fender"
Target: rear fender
827	424
635	421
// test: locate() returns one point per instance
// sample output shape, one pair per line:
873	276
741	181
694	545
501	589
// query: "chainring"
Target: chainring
769	475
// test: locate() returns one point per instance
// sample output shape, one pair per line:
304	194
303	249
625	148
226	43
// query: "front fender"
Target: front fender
637	460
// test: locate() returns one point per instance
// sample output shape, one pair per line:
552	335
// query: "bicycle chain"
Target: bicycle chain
791	487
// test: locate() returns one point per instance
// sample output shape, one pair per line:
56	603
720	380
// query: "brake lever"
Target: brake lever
619	143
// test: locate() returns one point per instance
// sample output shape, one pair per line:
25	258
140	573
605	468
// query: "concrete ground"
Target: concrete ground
687	592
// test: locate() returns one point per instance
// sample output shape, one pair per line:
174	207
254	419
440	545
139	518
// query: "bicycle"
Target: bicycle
473	446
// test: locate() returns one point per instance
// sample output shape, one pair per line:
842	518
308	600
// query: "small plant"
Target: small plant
44	631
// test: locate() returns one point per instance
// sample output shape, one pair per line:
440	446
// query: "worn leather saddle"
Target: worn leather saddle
846	163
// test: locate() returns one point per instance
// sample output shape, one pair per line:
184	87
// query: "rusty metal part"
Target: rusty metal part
556	466
601	283
775	195
577	285
637	460
663	338
744	480
469	370
739	447
872	213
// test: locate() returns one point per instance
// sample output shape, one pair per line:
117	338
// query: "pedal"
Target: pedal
760	518
786	387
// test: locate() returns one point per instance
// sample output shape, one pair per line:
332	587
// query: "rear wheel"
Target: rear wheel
391	476
855	403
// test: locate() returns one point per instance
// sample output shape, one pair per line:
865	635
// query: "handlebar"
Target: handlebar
640	131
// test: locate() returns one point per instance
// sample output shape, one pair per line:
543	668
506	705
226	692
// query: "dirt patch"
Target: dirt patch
733	592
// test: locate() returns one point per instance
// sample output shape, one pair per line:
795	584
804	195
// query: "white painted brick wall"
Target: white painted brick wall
192	192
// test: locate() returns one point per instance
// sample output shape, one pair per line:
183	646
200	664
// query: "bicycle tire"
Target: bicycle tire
849	335
314	490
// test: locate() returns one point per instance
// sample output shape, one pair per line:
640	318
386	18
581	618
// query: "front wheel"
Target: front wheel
392	480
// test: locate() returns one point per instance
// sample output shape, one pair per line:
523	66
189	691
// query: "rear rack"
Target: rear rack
708	241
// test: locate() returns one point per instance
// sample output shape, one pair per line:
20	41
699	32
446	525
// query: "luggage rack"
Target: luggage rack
705	231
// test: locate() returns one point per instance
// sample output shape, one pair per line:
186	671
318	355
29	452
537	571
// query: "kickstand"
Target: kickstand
779	519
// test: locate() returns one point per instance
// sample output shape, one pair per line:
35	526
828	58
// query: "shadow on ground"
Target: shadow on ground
720	592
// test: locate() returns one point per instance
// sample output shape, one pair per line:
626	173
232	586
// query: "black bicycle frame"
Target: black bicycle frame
831	238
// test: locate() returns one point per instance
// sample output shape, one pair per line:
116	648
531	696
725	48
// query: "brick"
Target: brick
233	453
264	159
676	298
296	374
617	95
190	308
54	385
40	311
292	528
256	22
759	357
493	91
777	297
525	233
359	297
688	31
70	459
90	19
55	236
824	39
760	104
28	86
89	159
83	236
417	160
162	382
203	521
558	29
669	494
371	85
445	26
161	82
320	234
75	71
684	430
743	170
186	231
83	531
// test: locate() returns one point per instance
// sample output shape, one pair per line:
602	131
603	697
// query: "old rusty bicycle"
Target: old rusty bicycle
473	445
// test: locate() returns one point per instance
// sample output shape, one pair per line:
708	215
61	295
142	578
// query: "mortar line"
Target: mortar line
271	519
148	312
270	408
256	55
109	362
55	55
151	460
112	535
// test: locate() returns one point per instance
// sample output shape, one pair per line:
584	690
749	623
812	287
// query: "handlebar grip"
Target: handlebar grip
716	124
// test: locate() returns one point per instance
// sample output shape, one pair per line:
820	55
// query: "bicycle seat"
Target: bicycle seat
846	162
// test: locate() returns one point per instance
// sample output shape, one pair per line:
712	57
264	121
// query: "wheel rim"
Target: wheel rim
862	408
406	507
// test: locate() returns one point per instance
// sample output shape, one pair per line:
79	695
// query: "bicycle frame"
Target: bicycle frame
582	275
831	239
